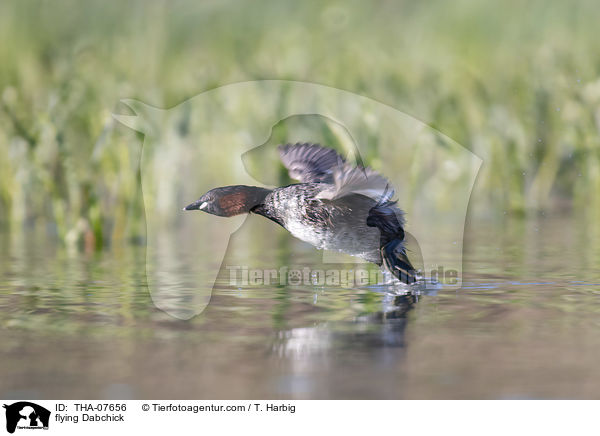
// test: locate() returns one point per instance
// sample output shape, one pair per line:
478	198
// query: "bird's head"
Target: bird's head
229	201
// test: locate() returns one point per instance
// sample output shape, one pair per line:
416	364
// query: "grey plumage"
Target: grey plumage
339	207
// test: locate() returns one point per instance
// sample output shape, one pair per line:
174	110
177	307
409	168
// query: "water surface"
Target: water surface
526	324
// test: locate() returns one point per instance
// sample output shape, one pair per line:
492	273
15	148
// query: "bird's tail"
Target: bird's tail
395	260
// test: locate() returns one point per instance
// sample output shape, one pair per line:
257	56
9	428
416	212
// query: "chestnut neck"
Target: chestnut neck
239	199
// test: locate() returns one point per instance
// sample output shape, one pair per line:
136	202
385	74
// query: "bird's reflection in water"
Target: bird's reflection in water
376	330
392	321
310	359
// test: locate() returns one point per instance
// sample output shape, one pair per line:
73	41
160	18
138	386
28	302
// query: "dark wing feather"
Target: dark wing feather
396	262
310	163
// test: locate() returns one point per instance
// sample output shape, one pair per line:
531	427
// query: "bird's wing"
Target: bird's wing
310	163
348	180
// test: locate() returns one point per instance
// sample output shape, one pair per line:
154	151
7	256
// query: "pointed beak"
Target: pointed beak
197	205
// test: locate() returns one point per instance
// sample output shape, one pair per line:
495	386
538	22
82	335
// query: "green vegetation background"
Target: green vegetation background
518	83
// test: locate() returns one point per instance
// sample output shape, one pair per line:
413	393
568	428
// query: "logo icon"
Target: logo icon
26	415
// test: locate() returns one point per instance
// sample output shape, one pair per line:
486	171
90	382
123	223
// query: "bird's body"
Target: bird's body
335	207
331	225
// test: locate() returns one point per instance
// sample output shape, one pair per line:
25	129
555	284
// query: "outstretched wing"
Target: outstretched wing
310	163
349	180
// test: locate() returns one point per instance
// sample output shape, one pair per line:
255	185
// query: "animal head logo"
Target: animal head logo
25	414
229	136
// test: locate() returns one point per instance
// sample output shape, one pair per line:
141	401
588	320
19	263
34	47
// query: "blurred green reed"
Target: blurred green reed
517	83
